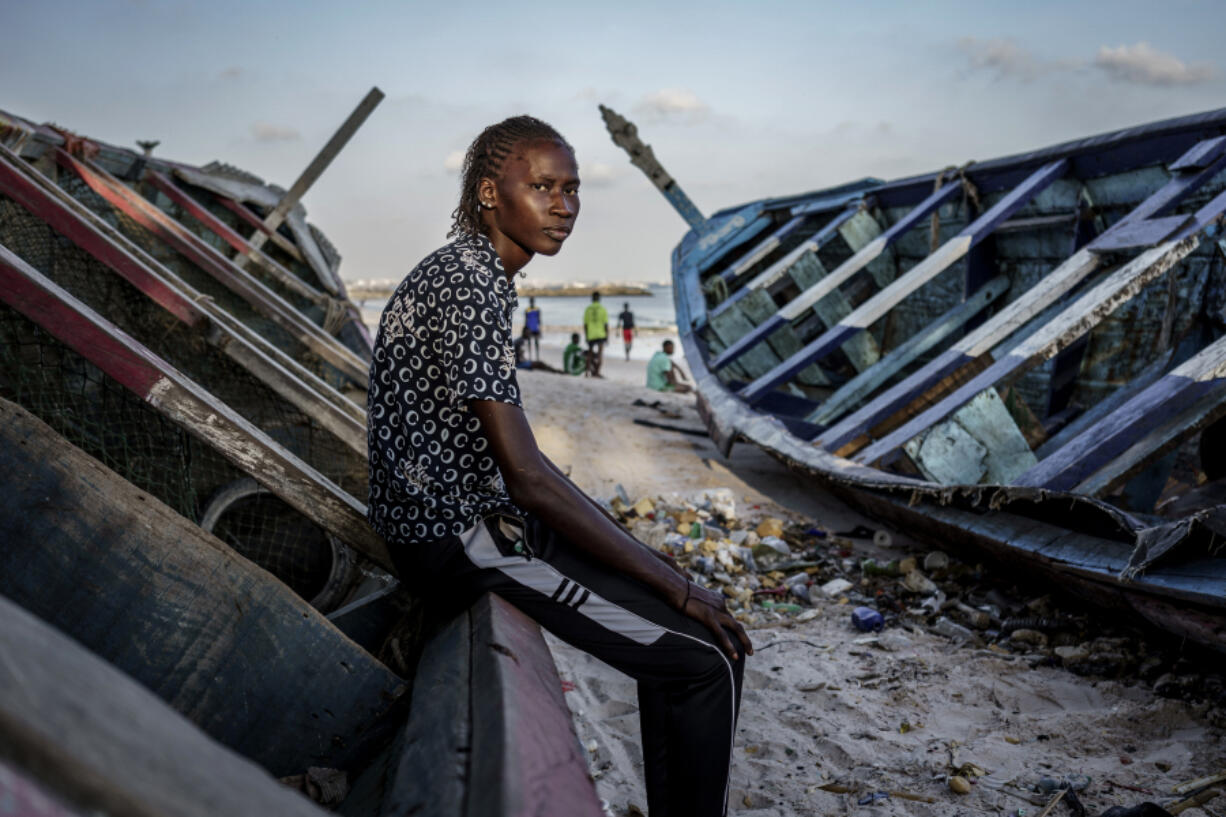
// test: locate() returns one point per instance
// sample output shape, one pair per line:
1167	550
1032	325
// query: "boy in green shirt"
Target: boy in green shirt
663	374
574	359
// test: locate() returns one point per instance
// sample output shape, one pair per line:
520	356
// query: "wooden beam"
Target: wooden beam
1170	407
18	186
860	387
318	165
510	750
781	267
239	244
188	405
262	299
861	259
877	306
526	758
1077	319
218	638
1143	226
762	249
105	744
296	384
256	224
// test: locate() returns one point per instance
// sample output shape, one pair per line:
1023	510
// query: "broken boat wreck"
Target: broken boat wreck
192	601
1024	356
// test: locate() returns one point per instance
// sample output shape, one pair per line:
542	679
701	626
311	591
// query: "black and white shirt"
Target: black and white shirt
444	339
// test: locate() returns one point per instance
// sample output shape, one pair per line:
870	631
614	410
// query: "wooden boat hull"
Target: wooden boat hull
886	361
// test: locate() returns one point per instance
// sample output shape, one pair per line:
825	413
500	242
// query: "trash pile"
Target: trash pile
776	571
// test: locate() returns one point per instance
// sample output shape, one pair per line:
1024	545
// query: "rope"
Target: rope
334	318
969	191
718	288
934	224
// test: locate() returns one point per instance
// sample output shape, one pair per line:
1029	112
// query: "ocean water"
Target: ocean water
653	311
563	314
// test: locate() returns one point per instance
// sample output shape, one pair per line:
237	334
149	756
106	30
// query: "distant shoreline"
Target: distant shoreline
382	290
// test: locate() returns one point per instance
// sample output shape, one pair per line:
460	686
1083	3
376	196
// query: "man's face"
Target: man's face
537	197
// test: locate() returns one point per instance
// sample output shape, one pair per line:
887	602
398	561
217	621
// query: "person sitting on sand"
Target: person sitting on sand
663	374
469	504
595	332
625	322
574	358
522	346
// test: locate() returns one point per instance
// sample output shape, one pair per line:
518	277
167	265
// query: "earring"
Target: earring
486	205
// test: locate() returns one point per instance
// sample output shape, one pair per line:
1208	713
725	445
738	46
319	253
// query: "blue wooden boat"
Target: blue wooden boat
191	601
1023	355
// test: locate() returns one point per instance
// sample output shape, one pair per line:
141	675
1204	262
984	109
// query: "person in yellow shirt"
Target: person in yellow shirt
595	332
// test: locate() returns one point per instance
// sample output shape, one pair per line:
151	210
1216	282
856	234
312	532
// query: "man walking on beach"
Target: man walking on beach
532	325
595	332
663	374
625	322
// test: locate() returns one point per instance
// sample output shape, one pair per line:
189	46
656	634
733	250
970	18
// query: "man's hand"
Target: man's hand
708	607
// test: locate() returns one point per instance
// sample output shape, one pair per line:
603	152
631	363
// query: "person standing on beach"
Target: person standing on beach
595	332
532	324
663	374
625	322
469	504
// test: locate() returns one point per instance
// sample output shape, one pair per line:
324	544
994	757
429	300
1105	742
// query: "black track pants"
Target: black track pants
689	689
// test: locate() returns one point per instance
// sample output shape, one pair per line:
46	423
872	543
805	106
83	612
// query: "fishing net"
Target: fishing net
202	281
102	418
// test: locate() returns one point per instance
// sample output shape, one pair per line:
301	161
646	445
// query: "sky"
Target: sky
739	100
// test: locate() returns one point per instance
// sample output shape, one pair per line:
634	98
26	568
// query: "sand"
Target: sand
820	705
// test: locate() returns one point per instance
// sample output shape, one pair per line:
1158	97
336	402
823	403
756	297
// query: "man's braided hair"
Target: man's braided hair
484	160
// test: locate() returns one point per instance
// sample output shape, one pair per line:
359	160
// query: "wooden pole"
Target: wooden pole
317	166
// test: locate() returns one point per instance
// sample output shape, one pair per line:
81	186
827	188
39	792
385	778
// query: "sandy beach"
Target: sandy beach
826	705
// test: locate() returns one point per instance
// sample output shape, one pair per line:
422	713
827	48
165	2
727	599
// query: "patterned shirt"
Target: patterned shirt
444	339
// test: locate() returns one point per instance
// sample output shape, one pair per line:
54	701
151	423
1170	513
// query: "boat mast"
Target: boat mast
626	136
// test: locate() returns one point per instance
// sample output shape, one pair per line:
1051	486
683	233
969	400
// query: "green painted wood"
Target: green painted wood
980	443
730	325
217	638
758	306
862	350
859	231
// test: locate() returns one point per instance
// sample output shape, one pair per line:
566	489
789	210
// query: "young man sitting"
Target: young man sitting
574	358
663	374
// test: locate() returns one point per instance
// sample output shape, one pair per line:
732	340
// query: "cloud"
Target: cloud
454	162
268	132
598	174
1142	64
673	103
233	72
1004	57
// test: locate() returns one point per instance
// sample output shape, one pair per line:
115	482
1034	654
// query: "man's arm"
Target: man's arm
536	485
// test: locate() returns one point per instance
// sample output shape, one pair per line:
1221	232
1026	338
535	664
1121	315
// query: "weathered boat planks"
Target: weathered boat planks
222	269
296	384
1062	365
